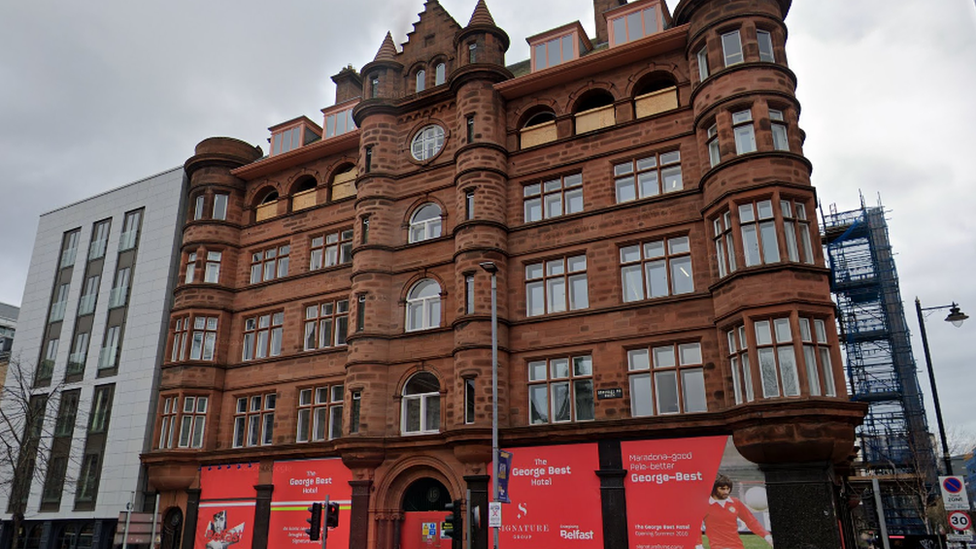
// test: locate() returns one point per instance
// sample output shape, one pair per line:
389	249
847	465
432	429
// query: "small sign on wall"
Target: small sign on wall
604	394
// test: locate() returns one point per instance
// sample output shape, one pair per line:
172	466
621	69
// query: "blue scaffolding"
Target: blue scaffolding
894	439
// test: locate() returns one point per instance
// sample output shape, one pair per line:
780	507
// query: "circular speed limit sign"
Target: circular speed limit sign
959	520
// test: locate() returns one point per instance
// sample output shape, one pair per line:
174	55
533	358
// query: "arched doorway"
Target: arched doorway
424	508
172	532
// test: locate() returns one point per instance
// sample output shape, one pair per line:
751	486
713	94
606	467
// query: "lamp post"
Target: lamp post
490	267
956	317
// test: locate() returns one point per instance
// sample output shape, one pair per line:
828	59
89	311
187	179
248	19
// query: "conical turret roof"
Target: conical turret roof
481	16
387	51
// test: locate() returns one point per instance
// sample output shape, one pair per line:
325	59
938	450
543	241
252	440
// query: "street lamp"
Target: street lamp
490	267
956	317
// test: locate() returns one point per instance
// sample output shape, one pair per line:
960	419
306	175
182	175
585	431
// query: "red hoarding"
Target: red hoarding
668	485
555	496
299	484
226	513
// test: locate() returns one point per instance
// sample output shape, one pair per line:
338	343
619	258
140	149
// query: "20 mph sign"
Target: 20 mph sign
959	520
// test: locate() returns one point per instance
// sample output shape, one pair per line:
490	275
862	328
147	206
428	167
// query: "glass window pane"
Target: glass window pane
664	357
689	353
559	368
633	286
767	371
813	376
582	366
578	292
763	335
625	189
750	244
638	360
787	368
782	328
828	372
537	370
693	390
620	30
535	299
556	288
769	242
554	205
657	278
574	201
533	210
583	390
634	27
561	404
640	396
654	249
647	182
681	275
412	412
821	331
672	179
666	390
538	404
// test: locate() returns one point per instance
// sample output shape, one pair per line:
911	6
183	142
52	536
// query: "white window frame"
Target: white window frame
667	379
427	143
765	41
211	273
639	261
732	48
745	132
649	176
254	420
569	377
320	413
553	198
220	206
757	225
714	150
556	286
777	125
702	63
425	402
326	324
425	223
428	304
193	421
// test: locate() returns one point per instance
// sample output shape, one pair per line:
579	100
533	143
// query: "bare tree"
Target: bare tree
33	416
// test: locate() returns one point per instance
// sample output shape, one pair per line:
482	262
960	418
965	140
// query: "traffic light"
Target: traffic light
455	521
315	522
332	515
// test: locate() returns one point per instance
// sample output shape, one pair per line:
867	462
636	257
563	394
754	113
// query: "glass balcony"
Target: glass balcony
76	363
128	240
45	370
86	305
118	297
106	357
68	257
57	311
97	248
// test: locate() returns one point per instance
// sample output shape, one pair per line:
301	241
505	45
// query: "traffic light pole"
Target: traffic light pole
325	522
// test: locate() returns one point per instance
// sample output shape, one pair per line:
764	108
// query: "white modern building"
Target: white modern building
89	336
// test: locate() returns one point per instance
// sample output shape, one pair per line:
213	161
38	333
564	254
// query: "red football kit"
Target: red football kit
721	524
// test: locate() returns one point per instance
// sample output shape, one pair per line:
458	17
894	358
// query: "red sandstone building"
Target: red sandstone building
644	196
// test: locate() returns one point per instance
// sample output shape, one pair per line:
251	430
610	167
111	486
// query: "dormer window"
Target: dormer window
633	22
294	134
339	122
557	46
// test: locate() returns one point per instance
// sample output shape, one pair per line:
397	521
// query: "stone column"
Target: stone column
190	524
262	515
801	505
613	499
359	515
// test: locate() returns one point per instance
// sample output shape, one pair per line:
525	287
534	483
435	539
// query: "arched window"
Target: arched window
421	80
440	74
424	306
425	223
421	405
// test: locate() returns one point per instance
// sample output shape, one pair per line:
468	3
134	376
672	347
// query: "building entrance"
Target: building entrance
424	509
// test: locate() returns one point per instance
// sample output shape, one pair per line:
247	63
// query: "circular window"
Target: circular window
427	143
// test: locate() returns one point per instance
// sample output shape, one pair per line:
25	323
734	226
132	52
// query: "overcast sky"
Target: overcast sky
94	95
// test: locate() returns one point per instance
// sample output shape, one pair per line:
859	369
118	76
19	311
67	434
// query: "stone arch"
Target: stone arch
408	470
264	194
651	80
302	181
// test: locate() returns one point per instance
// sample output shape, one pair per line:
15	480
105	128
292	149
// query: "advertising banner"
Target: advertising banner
226	514
299	484
693	493
555	495
504	466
